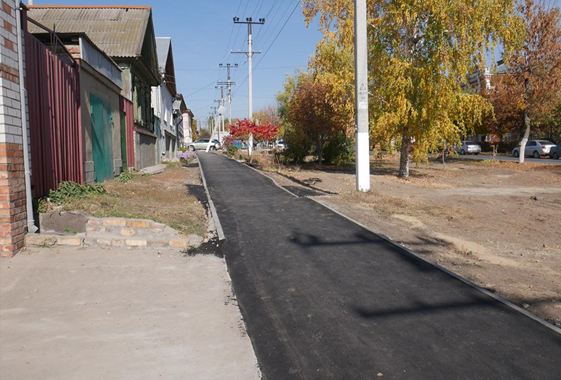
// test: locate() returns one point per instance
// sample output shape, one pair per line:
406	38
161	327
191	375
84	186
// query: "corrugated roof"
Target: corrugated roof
117	30
163	45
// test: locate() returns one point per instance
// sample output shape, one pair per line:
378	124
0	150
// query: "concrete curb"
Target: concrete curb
213	212
456	276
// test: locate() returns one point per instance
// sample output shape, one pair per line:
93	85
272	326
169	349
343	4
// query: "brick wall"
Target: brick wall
13	224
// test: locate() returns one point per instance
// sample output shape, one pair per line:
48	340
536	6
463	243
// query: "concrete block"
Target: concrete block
127	232
114	222
179	243
138	223
104	242
158	226
135	242
69	240
40	239
95	229
157	243
94	222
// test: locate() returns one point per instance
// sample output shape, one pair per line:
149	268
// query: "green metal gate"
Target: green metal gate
102	143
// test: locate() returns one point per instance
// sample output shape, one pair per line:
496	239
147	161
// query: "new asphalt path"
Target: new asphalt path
324	298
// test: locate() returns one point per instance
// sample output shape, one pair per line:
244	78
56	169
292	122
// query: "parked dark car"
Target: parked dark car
555	152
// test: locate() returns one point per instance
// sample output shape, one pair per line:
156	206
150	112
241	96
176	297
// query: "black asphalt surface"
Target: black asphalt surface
324	298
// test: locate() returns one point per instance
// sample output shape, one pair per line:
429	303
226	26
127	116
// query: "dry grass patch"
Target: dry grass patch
165	198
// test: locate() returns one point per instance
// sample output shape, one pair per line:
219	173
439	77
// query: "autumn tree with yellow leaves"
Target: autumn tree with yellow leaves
420	54
532	84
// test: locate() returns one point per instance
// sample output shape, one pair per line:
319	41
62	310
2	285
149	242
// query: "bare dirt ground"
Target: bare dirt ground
496	224
172	197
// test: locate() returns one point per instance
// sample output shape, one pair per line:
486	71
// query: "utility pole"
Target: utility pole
229	84
361	99
249	53
212	129
220	113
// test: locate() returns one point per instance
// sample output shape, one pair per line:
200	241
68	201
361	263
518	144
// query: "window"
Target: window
142	105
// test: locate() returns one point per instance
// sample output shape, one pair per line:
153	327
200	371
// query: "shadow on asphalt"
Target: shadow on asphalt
422	308
365	243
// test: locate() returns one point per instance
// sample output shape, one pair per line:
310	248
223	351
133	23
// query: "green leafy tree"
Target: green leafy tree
420	52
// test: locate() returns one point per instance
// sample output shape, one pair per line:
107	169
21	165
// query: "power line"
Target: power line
200	89
269	48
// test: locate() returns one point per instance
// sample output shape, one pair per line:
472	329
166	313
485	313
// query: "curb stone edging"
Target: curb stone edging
213	212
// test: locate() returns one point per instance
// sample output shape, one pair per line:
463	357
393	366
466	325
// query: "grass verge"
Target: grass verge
164	198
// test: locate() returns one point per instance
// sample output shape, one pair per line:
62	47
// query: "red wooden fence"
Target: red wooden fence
53	90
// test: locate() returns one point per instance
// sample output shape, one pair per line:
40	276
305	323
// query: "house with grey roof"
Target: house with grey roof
126	35
163	99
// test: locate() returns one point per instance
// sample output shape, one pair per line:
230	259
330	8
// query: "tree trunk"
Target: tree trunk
525	138
320	151
404	154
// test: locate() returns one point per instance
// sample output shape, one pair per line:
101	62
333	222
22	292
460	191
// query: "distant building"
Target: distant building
163	100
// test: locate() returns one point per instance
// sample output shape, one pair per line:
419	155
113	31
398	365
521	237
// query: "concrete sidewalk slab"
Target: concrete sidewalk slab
116	314
156	169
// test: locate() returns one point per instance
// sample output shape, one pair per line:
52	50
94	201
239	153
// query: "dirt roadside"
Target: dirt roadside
496	224
175	197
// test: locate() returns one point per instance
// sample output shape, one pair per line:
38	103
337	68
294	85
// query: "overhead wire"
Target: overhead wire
270	46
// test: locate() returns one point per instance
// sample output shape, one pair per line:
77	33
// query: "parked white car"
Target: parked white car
469	147
201	144
535	148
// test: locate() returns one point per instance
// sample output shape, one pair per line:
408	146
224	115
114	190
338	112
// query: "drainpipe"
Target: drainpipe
22	94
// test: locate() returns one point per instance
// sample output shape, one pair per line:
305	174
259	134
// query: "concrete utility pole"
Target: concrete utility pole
229	84
212	129
221	110
249	53
361	99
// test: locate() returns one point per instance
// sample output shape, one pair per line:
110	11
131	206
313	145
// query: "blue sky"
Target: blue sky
203	33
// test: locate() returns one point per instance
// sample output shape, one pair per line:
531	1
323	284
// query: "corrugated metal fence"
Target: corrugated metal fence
54	118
